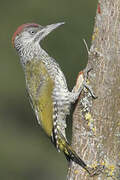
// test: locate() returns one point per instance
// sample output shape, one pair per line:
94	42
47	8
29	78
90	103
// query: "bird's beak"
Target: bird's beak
47	29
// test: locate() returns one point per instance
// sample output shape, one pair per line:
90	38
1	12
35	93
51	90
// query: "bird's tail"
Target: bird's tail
70	154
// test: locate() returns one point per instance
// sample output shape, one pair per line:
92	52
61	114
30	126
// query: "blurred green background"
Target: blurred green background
25	151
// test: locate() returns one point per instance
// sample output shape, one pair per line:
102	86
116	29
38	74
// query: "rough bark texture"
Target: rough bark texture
96	123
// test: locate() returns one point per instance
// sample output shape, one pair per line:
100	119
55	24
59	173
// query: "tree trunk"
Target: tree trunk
96	122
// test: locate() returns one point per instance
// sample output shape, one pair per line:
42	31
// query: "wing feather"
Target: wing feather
40	87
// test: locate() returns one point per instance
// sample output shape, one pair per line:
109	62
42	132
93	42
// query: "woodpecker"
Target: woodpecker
46	86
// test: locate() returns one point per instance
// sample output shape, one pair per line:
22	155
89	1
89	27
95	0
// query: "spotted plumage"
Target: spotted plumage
46	85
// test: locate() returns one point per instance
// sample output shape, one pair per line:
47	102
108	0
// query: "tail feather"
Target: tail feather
62	145
70	153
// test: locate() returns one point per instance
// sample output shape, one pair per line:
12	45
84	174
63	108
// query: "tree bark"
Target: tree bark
96	122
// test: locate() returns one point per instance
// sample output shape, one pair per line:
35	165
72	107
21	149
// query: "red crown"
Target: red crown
20	29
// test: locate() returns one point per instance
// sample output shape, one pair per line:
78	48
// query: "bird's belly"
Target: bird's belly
60	97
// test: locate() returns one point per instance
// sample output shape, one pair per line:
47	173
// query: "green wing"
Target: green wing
40	87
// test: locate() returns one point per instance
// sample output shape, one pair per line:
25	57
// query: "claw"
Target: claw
90	90
82	82
86	85
86	72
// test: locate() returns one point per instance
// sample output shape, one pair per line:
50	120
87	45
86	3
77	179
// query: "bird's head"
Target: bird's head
27	37
31	34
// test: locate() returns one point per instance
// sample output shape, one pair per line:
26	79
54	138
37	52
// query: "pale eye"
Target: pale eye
32	32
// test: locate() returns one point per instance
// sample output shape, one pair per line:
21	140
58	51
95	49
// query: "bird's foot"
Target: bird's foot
85	83
88	87
82	81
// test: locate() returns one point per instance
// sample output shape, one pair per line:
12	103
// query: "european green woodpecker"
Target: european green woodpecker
46	86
